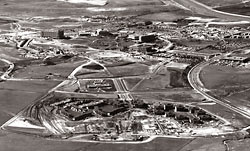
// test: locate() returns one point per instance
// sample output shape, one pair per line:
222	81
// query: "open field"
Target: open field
242	145
166	16
229	83
58	71
216	77
216	3
129	70
173	95
242	8
235	119
205	144
17	95
126	3
9	53
38	144
22	8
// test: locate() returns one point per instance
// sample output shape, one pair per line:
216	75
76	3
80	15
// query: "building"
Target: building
147	38
240	59
58	34
197	55
101	32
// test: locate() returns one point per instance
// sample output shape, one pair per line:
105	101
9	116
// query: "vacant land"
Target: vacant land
131	82
173	95
129	70
17	95
229	83
28	8
59	71
125	3
38	144
204	144
235	119
242	145
216	3
166	16
216	77
242	8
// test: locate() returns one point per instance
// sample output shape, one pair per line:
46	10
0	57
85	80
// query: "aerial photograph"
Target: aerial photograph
124	75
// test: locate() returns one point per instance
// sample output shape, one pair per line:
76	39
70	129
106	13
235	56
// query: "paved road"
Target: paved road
208	11
6	75
194	80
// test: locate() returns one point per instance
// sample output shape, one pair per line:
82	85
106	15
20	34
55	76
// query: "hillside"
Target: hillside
217	3
242	8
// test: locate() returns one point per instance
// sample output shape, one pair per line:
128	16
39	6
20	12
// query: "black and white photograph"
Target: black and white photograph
124	75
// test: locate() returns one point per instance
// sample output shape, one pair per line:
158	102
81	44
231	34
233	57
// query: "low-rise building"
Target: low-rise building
240	59
147	38
58	34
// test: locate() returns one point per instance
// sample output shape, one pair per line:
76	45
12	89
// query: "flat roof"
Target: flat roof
190	53
177	65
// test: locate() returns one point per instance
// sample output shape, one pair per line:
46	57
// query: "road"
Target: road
194	80
6	74
153	72
202	9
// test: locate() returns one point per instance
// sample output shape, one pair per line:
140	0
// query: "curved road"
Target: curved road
194	80
6	74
